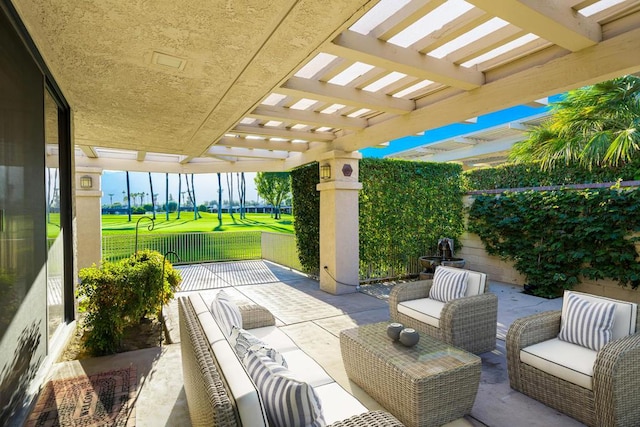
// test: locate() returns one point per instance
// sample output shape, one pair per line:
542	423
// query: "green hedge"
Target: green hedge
405	207
306	208
556	237
530	175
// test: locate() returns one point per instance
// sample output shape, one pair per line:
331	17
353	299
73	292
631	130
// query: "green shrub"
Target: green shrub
123	293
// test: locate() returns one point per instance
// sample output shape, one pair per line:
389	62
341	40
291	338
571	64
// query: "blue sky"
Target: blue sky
486	121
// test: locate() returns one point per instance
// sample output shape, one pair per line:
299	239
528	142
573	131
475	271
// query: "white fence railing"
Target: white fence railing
212	247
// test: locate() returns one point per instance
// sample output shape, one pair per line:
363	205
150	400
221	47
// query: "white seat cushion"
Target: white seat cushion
306	369
570	362
337	403
426	310
274	338
212	330
243	390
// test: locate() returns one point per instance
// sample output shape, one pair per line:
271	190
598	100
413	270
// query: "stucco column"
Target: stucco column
339	223
88	216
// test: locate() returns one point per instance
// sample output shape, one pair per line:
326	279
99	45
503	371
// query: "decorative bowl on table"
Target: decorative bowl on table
409	337
394	329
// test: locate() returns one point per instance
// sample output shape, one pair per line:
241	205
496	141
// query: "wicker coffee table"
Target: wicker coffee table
429	384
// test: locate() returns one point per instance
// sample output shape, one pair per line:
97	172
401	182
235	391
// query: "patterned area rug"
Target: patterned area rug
104	399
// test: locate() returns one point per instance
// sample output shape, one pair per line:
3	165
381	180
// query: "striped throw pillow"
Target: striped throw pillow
448	284
288	401
226	313
587	323
242	340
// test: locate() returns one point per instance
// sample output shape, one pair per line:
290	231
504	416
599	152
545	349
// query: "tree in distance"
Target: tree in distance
274	187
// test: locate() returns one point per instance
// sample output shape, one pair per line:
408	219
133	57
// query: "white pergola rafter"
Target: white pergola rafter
386	55
308	117
283	133
552	20
404	17
246	152
89	151
227	141
329	92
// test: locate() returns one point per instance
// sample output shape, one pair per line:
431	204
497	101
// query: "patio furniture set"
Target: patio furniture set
239	367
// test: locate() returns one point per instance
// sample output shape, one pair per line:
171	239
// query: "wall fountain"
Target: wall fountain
444	256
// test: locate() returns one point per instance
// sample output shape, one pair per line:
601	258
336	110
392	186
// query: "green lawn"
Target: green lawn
119	224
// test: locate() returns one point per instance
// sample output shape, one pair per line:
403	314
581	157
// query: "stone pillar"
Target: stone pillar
339	222
88	216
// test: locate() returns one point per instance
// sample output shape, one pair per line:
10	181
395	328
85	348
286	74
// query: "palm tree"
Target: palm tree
179	194
128	197
219	199
596	125
153	200
166	195
230	188
196	212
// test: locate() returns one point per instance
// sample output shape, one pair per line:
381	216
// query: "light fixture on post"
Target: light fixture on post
86	182
325	171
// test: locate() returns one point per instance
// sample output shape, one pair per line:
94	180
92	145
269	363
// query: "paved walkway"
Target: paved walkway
314	319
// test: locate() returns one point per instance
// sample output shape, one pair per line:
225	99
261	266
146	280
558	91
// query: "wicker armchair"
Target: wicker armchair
469	322
607	398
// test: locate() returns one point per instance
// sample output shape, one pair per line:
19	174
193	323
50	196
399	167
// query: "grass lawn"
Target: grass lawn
119	224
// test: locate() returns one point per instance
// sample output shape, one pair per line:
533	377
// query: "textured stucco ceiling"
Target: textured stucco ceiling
208	114
100	53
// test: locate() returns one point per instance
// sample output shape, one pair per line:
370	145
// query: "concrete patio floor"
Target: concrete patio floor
314	319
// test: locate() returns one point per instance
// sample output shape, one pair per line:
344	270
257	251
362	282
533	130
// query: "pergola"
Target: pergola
223	86
270	85
480	148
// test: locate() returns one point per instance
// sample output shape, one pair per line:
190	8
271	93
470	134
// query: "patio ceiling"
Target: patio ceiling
225	86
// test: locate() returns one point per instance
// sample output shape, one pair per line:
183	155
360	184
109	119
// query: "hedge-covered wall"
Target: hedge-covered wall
306	209
556	237
530	175
405	207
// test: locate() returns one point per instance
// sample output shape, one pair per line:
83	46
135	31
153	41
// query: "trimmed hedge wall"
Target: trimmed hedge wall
405	207
530	175
306	208
555	237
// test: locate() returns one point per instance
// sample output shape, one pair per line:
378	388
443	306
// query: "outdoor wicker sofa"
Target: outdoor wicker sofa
469	322
596	387
219	389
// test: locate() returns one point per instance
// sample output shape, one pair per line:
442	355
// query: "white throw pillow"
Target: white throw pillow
448	284
226	313
587	323
288	401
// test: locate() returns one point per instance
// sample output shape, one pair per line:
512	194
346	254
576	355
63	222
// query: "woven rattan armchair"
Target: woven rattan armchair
469	322
609	399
